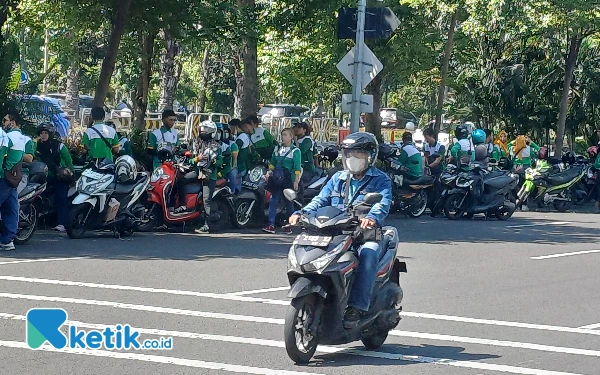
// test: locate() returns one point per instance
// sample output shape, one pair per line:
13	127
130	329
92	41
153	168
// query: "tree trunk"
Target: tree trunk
238	93
570	64
146	44
72	90
249	102
108	64
169	71
444	77
204	81
373	120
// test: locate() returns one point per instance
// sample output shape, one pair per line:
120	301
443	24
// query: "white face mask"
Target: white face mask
356	165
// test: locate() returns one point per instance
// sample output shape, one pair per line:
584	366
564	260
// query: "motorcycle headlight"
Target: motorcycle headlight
464	183
324	261
92	188
158	173
256	174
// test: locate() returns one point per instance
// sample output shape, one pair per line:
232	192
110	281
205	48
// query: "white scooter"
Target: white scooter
103	203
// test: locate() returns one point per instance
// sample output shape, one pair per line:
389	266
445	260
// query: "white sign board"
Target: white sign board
366	103
370	68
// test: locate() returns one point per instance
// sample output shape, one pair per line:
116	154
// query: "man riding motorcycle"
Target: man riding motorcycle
410	160
345	188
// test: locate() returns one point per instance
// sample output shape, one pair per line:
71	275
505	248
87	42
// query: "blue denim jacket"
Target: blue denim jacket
334	192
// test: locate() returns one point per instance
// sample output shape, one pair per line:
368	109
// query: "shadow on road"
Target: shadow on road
424	354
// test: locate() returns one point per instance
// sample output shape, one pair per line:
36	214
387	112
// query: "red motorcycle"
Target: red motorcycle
160	213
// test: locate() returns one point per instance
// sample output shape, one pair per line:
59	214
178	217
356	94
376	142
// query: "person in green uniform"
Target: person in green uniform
55	155
164	138
12	149
284	173
246	160
308	150
100	140
16	131
501	148
261	139
410	160
462	152
230	154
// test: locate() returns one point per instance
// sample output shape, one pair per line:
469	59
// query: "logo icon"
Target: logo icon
44	325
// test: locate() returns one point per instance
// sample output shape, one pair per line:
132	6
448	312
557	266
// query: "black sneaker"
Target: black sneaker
351	318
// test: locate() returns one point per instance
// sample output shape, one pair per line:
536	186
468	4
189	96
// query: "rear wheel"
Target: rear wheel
452	208
28	219
506	213
417	209
563	206
300	342
150	218
78	217
219	218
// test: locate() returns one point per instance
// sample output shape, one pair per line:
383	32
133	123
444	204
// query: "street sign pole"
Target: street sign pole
358	66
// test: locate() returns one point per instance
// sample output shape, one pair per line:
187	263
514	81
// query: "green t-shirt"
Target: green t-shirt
98	149
411	159
263	142
162	139
307	148
13	149
245	160
28	145
499	153
290	160
229	150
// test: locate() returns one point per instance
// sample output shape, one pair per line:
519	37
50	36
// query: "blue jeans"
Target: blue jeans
61	189
9	209
276	195
364	280
235	182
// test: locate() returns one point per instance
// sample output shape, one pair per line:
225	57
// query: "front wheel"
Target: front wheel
300	342
242	213
506	213
452	208
28	218
78	216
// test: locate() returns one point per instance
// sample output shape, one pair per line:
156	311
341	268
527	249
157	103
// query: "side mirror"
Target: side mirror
372	198
493	161
290	194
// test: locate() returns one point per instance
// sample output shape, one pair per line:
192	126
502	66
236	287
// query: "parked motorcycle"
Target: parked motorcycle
158	207
321	270
103	203
583	191
448	183
409	195
551	188
29	202
496	198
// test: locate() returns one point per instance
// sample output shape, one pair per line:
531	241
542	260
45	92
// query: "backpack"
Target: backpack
280	175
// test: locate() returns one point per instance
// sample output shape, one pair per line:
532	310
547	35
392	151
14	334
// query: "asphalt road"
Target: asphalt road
481	297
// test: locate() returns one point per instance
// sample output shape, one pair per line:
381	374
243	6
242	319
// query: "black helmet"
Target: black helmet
569	158
461	132
164	155
46	126
386	151
356	144
331	153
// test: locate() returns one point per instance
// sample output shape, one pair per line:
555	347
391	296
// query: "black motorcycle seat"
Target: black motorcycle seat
190	177
423	180
494	174
498	182
28	189
563	177
125	189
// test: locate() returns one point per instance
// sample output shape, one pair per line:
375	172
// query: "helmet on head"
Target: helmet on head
331	153
126	169
593	151
359	152
410	125
164	155
543	153
569	158
208	129
46	127
461	132
478	136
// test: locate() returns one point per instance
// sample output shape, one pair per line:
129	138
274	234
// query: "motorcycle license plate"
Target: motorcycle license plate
250	185
316	241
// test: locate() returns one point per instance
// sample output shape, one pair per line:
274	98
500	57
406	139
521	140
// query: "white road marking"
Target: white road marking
537	225
129	306
40	260
286	303
258	291
565	254
159	359
591	326
327	349
230	297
